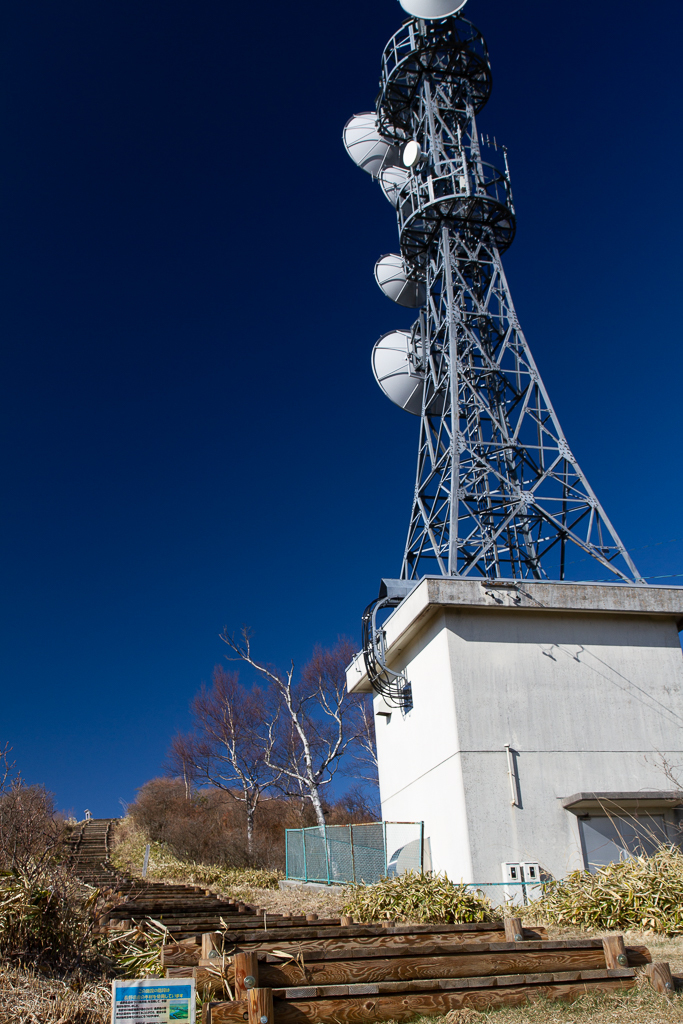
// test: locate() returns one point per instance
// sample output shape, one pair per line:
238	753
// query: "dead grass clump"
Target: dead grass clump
641	892
46	919
28	998
136	953
417	897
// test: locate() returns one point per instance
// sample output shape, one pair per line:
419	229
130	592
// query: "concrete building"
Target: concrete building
541	714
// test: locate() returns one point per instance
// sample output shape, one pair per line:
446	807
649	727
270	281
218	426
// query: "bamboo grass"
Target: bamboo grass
640	892
417	898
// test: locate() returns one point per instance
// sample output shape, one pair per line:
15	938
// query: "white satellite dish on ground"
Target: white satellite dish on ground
391	181
390	274
366	147
431	9
394	372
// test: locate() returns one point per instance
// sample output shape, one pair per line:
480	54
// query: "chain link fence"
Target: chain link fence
354	853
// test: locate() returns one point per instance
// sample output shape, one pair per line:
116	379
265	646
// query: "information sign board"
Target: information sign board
153	1001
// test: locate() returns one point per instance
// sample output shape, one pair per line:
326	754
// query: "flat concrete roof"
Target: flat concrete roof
514	596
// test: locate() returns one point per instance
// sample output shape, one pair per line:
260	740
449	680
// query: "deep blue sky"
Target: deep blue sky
193	436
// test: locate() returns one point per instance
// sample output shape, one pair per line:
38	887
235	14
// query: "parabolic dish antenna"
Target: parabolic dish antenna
394	373
365	145
390	274
431	9
391	181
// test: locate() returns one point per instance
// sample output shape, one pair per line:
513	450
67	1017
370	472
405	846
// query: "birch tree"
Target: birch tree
226	750
312	720
364	764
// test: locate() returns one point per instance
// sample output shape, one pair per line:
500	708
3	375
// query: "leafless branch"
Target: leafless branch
312	723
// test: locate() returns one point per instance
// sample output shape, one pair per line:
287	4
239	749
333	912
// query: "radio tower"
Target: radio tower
498	492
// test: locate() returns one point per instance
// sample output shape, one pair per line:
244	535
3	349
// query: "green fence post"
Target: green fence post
327	855
303	840
353	855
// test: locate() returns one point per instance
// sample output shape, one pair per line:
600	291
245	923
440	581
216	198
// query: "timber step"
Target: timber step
445	984
329	942
405	1007
397	981
355	941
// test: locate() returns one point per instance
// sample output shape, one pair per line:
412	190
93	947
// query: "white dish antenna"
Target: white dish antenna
394	372
366	147
390	274
411	153
432	9
392	180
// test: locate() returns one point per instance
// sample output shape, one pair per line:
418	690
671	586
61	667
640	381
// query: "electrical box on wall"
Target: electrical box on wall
523	878
512	873
531	876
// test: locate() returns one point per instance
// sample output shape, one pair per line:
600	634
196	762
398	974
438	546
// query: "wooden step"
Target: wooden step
398	982
365	941
403	1007
449	984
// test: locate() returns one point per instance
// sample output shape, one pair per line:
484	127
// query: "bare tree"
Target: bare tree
31	832
364	765
226	750
7	768
311	724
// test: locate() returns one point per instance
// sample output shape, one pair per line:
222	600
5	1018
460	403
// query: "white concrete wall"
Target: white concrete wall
585	699
415	753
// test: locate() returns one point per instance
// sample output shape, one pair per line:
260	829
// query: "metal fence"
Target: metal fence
354	853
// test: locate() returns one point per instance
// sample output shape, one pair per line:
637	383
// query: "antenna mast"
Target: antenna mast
498	492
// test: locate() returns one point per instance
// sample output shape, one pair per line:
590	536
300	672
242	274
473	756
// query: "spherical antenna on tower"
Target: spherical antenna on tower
432	9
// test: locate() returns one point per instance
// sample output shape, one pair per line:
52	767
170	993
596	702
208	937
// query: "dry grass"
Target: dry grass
28	998
636	1006
129	851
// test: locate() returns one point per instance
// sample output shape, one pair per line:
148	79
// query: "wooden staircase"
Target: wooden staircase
387	978
89	847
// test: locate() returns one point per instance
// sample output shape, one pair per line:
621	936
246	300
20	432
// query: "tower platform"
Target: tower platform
541	714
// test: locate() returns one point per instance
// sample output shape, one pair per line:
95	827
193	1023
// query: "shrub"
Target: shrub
641	892
31	832
413	897
208	826
129	850
45	919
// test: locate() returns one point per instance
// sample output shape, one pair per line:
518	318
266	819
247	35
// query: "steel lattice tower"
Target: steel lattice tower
498	492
